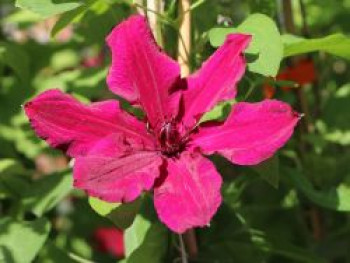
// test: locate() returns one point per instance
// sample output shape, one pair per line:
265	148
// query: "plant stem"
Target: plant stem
183	250
184	51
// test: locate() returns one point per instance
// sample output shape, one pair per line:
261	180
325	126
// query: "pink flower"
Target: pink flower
117	156
109	239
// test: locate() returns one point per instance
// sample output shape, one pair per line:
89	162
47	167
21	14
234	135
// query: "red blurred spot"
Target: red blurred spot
303	72
109	240
93	61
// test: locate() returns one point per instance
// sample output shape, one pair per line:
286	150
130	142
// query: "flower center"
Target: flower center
170	139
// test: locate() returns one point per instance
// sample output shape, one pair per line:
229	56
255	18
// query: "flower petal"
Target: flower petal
251	134
190	194
216	80
140	71
114	171
68	124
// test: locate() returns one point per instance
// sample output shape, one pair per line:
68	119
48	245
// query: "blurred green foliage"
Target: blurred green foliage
292	208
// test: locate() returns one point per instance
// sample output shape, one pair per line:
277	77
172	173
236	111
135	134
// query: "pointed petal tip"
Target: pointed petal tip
252	133
243	39
299	115
136	18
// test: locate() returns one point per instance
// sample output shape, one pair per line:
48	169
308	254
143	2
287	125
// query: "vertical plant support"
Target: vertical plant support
138	4
184	43
153	8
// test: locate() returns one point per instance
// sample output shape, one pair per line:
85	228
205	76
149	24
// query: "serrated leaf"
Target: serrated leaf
266	42
336	44
21	241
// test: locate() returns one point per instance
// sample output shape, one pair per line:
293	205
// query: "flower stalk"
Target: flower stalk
184	47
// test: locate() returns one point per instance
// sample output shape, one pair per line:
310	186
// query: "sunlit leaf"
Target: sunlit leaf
21	241
146	239
336	44
266	42
47	8
219	113
122	215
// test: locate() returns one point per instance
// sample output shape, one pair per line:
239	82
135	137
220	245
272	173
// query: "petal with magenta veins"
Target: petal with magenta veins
114	171
251	134
141	72
190	193
67	124
216	80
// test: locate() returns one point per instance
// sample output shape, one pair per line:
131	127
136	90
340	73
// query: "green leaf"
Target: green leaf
72	16
22	17
16	58
50	253
21	241
12	181
269	170
63	59
337	198
45	193
122	215
146	240
47	8
219	113
336	44
266	42
101	207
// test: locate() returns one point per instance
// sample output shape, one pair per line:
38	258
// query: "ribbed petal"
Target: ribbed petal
141	72
115	170
190	193
67	124
216	80
252	133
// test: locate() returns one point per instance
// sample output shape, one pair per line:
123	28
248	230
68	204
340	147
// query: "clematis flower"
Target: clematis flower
117	156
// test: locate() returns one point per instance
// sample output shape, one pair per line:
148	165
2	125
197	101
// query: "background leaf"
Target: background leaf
122	215
146	239
47	192
336	44
21	241
336	198
16	58
47	8
266	42
269	170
